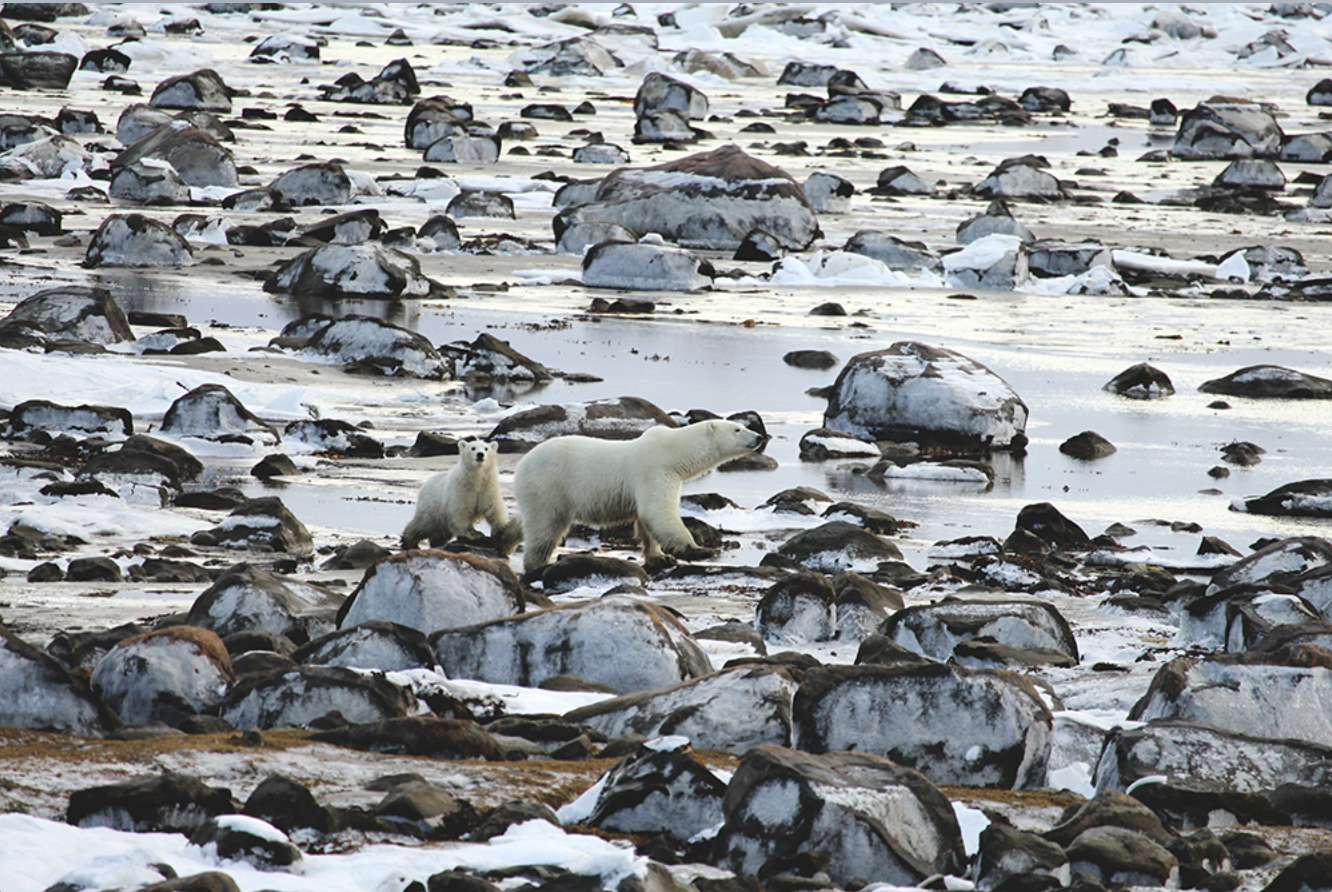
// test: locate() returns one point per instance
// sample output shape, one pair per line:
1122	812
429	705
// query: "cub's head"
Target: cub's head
735	438
476	452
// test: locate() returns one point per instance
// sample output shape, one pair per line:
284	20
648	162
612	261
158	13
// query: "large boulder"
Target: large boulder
660	91
134	240
260	524
167	675
150	182
338	271
995	731
49	158
247	598
211	412
710	200
831	548
320	183
619	642
644	267
194	154
935	630
1235	692
733	710
434	590
867	816
71	313
1277	563
374	644
38	70
1019	178
1216	130
300	696
577	56
1303	498
34	415
623	418
369	343
37	692
660	788
929	395
201	90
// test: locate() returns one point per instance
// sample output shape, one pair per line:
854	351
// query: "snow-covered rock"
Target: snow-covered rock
34	415
709	200
320	183
49	158
134	240
933	396
70	313
839	545
644	267
149	182
625	644
732	710
212	412
998	262
660	788
260	524
867	816
799	609
1235	692
297	697
893	252
934	630
167	675
1232	620
247	840
463	149
37	692
1270	382
373	644
996	730
366	342
351	271
247	598
1303	498
829	193
434	590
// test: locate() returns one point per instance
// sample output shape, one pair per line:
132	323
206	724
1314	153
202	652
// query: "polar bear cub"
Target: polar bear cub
451	502
576	478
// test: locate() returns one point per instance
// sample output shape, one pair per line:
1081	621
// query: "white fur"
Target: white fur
451	502
573	478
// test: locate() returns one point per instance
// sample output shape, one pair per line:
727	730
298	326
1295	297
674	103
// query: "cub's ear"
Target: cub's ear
493	447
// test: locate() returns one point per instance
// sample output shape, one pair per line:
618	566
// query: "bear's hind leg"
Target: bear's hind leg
540	539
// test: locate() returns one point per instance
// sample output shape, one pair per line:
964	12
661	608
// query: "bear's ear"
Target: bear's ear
493	447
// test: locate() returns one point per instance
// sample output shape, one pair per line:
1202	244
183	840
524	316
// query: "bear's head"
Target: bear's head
735	439
475	453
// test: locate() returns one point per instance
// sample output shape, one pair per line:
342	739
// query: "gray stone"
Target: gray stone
201	90
338	271
167	675
659	91
644	267
134	240
935	630
434	590
1227	131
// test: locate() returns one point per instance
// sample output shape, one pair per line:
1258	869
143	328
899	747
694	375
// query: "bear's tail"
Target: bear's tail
510	536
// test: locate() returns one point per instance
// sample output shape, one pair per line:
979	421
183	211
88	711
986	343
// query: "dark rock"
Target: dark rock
758	247
1046	522
614	419
820	360
1141	382
1087	446
195	154
1241	130
201	90
418	736
1006	852
323	183
1116	855
659	91
829	801
38	70
659	789
573	571
38	692
250	841
1304	498
166	803
275	465
364	271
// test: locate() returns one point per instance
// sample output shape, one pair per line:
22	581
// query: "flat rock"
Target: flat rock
434	590
38	70
911	392
1270	382
463	149
617	641
996	732
413	735
35	415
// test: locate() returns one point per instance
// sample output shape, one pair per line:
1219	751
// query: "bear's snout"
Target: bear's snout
758	441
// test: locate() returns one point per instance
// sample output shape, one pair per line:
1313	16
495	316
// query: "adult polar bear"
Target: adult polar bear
575	478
